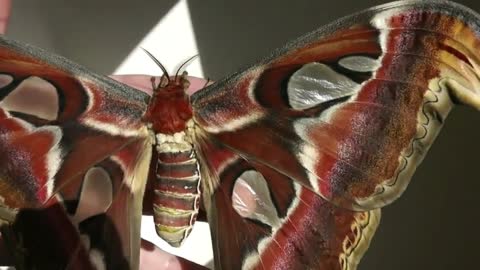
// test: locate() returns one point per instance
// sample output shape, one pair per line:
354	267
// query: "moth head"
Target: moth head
169	108
166	81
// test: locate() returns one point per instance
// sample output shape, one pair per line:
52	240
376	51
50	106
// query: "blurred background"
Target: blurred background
433	226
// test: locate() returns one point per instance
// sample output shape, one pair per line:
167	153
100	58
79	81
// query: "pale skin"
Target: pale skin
151	256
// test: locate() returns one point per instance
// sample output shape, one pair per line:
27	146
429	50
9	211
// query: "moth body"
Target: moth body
177	173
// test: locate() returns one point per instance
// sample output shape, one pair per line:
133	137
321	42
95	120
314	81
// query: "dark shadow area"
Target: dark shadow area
46	239
242	32
434	224
97	34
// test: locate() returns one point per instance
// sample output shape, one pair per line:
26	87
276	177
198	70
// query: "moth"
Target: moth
323	133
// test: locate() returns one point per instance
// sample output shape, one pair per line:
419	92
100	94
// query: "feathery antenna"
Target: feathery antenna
189	60
165	73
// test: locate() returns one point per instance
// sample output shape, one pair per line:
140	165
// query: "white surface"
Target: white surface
172	42
197	248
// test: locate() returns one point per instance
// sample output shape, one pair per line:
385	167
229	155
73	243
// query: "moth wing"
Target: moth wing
349	111
75	156
261	219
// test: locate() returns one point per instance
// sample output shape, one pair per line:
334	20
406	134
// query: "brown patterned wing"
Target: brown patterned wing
261	219
350	110
73	164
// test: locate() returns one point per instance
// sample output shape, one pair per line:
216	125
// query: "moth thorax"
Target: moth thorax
177	187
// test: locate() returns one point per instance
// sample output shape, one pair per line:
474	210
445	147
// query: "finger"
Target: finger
5	6
143	82
151	257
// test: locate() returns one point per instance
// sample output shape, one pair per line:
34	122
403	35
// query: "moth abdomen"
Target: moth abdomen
176	189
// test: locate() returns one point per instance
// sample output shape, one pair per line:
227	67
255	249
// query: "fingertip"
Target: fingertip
5	8
140	82
143	83
152	257
196	84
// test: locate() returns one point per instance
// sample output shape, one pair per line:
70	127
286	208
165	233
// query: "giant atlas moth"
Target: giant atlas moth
322	134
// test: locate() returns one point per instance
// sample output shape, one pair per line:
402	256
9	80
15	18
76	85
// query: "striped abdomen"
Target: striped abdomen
177	188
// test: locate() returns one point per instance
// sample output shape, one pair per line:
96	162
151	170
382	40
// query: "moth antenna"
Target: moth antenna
189	60
158	64
208	80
